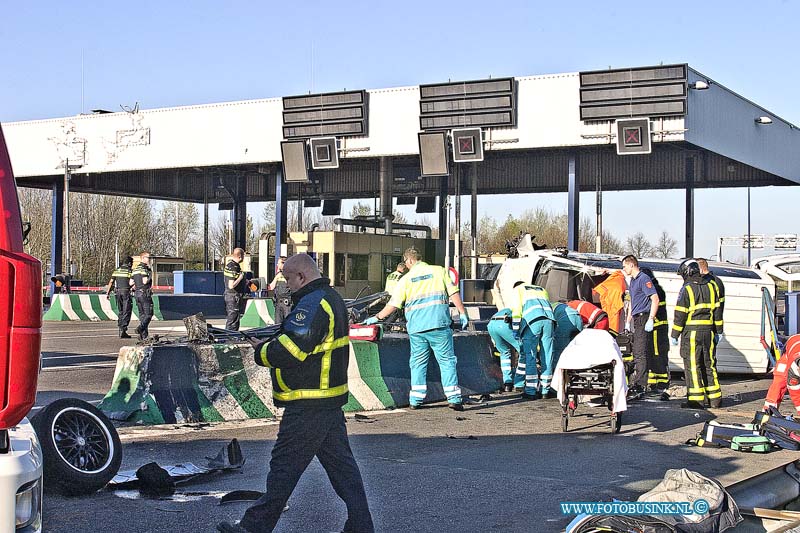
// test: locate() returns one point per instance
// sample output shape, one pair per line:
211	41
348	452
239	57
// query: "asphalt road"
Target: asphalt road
500	466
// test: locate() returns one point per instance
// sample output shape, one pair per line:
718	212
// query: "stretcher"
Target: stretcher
591	365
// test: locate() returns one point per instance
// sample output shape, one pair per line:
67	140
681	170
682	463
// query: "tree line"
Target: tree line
101	226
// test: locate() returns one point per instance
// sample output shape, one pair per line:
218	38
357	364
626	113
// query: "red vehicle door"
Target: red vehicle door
20	306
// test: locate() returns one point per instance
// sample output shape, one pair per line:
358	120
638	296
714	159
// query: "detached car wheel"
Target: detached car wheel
81	448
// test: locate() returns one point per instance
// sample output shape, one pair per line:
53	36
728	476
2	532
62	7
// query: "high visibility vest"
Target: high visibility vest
424	292
531	303
589	312
391	281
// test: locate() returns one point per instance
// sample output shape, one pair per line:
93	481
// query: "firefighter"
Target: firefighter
502	335
308	363
120	283
142	282
786	376
424	293
533	323
568	324
592	316
235	289
641	316
698	321
282	294
713	280
658	366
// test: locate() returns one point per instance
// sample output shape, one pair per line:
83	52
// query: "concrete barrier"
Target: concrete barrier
258	312
96	307
214	382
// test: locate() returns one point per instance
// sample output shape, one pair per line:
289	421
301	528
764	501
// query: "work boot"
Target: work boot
507	387
535	396
715	403
551	394
123	334
414	407
227	527
634	394
456	406
691	404
519	389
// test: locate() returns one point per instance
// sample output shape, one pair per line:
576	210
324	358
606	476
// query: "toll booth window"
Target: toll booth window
322	264
357	267
338	271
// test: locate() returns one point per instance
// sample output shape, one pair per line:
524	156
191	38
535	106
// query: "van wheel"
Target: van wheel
81	448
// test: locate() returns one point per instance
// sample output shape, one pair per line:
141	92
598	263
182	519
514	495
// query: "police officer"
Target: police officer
394	277
424	292
235	288
642	315
698	320
282	294
533	323
658	365
308	362
568	325
502	335
120	283
142	282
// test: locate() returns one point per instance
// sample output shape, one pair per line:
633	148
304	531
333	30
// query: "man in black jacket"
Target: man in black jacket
308	363
120	283
235	289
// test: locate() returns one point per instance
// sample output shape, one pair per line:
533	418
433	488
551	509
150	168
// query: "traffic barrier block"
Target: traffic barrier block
258	312
96	307
181	383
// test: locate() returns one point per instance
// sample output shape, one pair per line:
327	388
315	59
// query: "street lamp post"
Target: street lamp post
749	244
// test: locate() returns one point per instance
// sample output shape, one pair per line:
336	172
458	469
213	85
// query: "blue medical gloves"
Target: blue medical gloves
648	326
371	320
464	321
718	338
673	341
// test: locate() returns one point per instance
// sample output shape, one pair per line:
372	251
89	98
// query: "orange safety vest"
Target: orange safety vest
611	293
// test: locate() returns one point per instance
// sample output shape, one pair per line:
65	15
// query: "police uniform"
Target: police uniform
143	291
308	363
283	297
234	298
697	320
533	321
424	292
121	278
502	335
568	325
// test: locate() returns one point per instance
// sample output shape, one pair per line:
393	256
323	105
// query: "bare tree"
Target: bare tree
638	245
37	210
666	246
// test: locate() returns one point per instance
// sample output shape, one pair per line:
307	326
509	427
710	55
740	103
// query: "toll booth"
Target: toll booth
356	263
163	267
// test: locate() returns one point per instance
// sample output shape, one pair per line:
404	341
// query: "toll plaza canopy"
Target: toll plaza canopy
545	133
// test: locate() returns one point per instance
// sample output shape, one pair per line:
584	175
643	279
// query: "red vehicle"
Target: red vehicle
20	340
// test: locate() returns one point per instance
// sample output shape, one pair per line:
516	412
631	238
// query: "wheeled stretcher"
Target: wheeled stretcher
591	365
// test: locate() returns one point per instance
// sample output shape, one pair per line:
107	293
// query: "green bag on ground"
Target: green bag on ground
751	443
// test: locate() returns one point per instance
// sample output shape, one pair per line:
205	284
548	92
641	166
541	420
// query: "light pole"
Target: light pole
748	227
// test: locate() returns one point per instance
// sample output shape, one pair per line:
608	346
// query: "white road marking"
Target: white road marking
110	364
71	356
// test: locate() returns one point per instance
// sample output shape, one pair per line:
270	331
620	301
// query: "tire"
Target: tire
564	423
80	447
616	423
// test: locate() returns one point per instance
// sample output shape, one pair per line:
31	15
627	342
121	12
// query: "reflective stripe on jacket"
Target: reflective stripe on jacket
308	361
531	303
697	308
424	292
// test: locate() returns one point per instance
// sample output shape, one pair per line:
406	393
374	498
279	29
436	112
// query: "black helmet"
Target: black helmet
688	269
127	260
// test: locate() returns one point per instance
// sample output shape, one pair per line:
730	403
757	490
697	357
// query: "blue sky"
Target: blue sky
62	58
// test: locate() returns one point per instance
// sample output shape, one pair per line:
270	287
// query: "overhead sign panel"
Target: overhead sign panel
786	241
342	114
633	92
633	136
295	164
324	153
433	153
755	242
480	103
467	145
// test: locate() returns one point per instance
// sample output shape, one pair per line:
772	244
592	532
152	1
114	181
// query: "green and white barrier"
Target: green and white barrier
93	307
180	383
258	312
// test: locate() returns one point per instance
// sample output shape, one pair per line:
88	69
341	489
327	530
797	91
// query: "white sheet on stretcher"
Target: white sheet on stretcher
589	348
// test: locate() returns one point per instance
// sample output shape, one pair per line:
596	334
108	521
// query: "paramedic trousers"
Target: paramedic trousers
700	366
124	309
234	308
440	342
144	301
303	434
537	353
503	337
642	351
658	365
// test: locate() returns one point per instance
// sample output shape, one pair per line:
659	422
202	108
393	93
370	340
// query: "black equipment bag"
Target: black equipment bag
719	435
782	431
